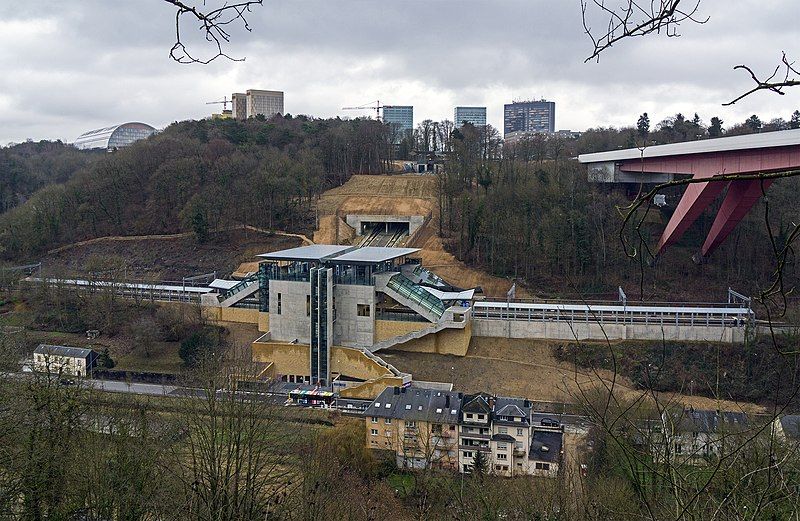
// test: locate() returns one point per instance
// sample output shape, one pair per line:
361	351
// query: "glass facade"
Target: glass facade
474	115
399	117
113	138
529	116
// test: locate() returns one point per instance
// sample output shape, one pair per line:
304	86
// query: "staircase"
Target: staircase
237	293
402	339
404	291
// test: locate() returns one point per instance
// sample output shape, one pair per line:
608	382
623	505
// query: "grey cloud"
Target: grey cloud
104	62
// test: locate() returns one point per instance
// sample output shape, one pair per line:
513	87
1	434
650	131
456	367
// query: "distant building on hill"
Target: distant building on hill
473	115
113	138
239	100
256	102
400	118
529	116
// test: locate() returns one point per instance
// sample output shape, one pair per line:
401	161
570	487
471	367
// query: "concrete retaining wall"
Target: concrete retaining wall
594	331
414	221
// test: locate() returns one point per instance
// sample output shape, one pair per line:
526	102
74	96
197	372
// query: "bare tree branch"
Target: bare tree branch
785	75
631	18
213	25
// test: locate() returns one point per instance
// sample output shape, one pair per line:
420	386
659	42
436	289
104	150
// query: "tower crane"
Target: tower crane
224	101
375	105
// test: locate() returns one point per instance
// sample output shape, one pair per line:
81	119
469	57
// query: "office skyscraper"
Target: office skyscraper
400	117
239	105
474	115
264	102
529	116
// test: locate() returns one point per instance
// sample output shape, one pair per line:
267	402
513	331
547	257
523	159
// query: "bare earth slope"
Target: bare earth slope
400	195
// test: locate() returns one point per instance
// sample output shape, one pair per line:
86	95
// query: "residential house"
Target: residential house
72	361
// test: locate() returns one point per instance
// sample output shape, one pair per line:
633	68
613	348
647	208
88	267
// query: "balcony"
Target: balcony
484	448
475	436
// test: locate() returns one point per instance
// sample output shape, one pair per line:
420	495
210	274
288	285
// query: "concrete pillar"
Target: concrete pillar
742	195
694	201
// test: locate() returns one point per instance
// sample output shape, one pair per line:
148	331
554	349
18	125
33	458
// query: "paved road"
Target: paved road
135	388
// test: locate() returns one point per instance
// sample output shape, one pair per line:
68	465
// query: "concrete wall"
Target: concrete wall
293	322
414	221
371	389
349	328
241	315
263	322
286	358
445	342
391	328
594	331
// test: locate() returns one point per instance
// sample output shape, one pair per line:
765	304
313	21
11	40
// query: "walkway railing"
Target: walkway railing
416	294
724	315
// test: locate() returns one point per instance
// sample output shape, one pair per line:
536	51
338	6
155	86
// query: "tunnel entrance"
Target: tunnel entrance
383	233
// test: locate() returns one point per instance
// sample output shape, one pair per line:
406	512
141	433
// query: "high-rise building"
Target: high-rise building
474	115
400	117
264	102
529	116
239	105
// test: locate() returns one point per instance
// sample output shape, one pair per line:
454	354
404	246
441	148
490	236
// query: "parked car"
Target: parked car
549	422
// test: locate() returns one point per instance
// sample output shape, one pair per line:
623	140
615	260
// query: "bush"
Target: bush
199	345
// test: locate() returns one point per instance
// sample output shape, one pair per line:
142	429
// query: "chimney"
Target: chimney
396	390
447	400
460	396
527	403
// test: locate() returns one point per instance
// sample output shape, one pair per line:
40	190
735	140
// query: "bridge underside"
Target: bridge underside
741	194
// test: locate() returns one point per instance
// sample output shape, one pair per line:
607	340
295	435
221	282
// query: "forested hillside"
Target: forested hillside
196	176
531	214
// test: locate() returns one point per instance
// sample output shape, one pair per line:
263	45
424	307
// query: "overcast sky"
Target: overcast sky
73	65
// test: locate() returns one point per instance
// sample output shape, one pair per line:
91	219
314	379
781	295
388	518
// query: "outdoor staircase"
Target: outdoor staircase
402	339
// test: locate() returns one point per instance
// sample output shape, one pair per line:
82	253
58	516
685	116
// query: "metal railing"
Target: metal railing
162	292
721	315
241	286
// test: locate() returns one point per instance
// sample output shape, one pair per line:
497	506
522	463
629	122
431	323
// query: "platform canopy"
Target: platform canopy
371	255
315	252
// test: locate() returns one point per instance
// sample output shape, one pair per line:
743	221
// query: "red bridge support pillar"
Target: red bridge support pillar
695	200
742	195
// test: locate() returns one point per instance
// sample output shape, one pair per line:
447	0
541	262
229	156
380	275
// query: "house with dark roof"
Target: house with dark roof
428	428
695	435
72	361
418	425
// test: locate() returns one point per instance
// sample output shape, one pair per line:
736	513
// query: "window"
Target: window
467	453
502	430
678	448
308	305
387	421
502	446
542	466
439	411
374	419
374	432
411	424
279	303
388	405
481	416
363	310
502	455
469	415
519	432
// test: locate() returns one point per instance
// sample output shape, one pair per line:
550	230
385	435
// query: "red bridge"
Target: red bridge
751	154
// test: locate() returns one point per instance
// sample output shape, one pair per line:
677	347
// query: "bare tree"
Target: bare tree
785	75
631	18
214	26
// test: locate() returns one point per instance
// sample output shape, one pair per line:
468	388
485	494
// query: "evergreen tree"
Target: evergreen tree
715	130
105	361
643	125
794	122
479	463
754	122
